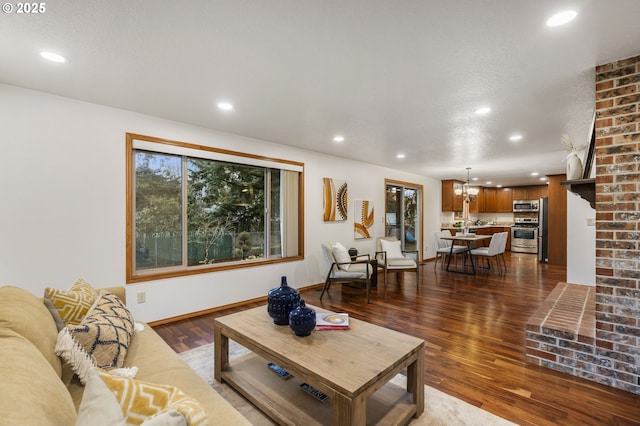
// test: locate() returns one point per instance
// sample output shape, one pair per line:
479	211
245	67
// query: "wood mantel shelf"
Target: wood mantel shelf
586	188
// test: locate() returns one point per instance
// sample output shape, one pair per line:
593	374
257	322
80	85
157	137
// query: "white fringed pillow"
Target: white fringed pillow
102	339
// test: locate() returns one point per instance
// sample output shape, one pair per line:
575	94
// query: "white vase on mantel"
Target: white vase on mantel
574	167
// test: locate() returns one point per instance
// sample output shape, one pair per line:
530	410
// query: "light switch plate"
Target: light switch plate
591	221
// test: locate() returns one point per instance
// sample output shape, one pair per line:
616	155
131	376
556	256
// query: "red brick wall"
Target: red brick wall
617	346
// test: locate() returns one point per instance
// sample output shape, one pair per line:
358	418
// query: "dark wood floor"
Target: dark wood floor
474	328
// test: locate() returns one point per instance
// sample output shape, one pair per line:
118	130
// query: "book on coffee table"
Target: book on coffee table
332	321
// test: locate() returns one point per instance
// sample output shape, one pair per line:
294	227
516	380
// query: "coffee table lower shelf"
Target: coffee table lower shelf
285	402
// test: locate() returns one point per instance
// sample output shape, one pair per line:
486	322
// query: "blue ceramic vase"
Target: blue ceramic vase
302	320
281	301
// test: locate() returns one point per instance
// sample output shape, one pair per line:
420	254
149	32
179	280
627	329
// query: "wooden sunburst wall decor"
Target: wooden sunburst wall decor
335	199
363	219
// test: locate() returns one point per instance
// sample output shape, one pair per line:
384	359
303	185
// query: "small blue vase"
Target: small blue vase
281	301
302	320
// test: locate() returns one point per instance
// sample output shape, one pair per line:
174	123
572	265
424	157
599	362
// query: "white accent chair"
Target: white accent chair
391	257
492	251
342	269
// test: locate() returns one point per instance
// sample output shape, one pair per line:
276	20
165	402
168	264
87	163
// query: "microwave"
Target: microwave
525	206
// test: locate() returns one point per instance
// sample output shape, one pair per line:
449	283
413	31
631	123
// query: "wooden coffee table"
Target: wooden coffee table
352	367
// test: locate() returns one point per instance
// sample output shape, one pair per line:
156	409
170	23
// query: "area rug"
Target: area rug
440	409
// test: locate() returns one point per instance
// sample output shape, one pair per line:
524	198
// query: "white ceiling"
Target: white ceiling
391	76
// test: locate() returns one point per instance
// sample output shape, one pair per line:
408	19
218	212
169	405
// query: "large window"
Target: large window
193	209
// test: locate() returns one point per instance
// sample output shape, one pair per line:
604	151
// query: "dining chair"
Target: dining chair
503	248
489	252
342	269
443	248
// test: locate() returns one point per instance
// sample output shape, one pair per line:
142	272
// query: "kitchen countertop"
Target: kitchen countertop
451	226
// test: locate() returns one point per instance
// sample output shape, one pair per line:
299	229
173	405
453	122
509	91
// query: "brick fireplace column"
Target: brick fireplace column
617	347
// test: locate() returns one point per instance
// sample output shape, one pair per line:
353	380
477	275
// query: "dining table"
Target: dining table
468	239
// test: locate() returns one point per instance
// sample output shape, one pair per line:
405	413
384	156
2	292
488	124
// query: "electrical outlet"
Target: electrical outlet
142	297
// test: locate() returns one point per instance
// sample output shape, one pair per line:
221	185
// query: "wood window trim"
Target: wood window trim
133	277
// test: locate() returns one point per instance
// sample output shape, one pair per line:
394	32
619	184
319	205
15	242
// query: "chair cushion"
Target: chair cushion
341	254
392	248
361	268
480	251
400	262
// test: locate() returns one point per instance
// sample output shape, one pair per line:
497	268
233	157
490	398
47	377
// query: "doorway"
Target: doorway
403	214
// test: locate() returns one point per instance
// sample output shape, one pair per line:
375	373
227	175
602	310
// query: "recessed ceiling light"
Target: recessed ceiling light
400	156
338	138
53	57
515	138
489	182
543	178
535	174
474	178
225	106
498	186
561	18
483	110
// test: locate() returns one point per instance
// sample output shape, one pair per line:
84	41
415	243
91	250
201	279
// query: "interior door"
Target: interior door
403	215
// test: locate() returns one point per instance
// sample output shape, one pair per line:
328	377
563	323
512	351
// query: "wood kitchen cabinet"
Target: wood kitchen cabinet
520	193
490	200
477	205
504	200
497	200
538	191
450	201
532	192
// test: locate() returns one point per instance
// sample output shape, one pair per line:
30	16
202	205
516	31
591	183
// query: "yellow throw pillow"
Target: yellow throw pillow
101	340
140	403
72	305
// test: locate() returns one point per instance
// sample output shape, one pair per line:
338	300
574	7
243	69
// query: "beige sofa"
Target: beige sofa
38	388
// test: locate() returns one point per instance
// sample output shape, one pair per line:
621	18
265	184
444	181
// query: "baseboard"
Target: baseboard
220	308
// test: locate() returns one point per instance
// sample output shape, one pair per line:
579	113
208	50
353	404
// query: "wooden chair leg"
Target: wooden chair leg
368	289
327	284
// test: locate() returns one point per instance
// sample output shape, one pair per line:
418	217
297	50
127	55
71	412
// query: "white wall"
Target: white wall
581	241
62	183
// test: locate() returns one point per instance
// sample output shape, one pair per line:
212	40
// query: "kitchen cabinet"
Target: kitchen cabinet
490	200
504	200
520	193
450	201
539	191
532	192
477	205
